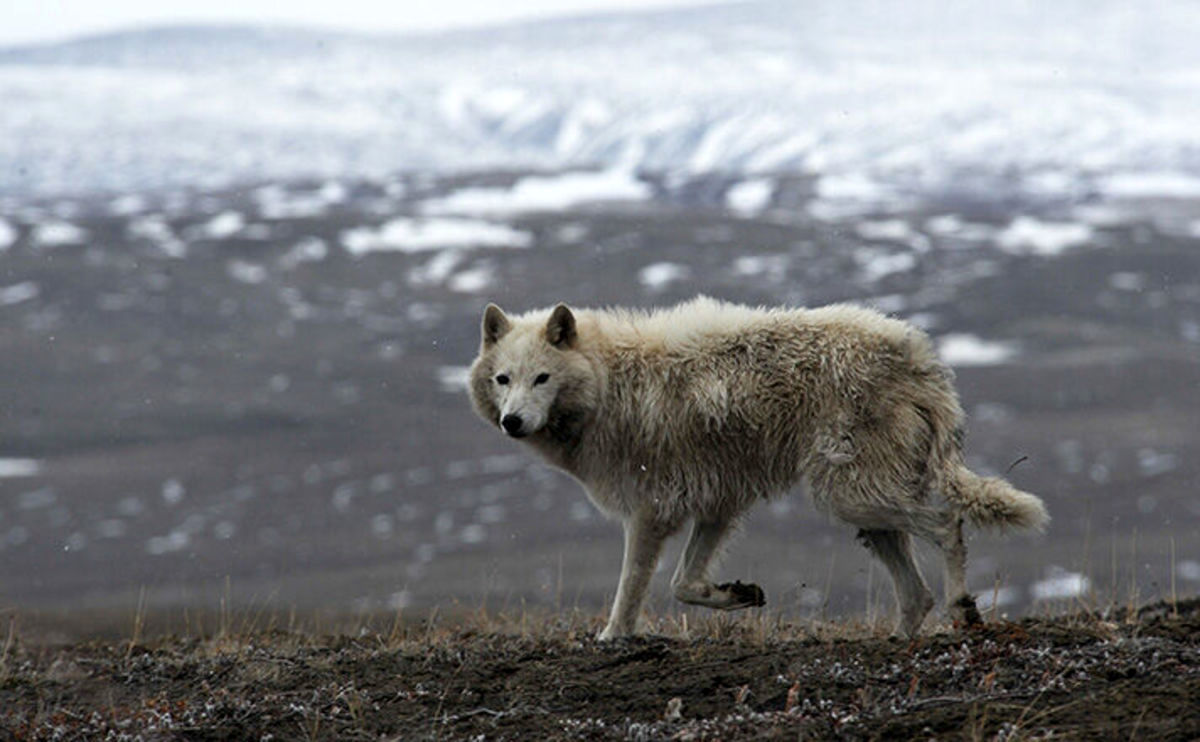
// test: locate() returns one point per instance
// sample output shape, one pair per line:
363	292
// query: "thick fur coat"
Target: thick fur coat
698	411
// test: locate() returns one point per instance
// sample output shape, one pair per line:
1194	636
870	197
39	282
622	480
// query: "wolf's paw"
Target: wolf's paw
912	615
610	634
965	612
743	595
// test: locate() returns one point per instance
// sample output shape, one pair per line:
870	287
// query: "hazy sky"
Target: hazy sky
44	20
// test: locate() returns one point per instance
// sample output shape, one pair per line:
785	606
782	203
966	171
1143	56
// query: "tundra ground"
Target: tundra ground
1072	677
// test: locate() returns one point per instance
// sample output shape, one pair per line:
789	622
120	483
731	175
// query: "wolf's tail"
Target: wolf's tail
991	502
986	502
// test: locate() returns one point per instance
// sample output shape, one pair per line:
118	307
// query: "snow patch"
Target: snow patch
472	281
1028	235
306	250
892	230
1105	214
37	499
244	272
19	292
885	230
844	195
543	193
1128	281
14	536
1052	184
437	269
750	197
223	225
12	468
1152	463
657	276
473	534
58	233
276	203
173	492
111	528
962	349
1151	184
417	235
875	265
453	379
952	225
155	229
8	235
1189	570
399	600
580	124
994	598
127	205
333	192
571	234
889	303
757	265
1060	584
174	541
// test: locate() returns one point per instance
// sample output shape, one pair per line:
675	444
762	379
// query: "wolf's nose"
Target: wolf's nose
511	424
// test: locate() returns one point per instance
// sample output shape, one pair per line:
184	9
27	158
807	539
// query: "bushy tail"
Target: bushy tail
991	502
986	502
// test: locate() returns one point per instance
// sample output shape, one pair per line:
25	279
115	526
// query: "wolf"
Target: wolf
696	412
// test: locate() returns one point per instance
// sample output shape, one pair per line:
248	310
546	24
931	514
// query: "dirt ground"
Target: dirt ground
1072	677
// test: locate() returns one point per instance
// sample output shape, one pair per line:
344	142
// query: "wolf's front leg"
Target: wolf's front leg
691	581
643	542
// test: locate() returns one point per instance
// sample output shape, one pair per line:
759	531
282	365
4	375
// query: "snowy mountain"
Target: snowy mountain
1053	100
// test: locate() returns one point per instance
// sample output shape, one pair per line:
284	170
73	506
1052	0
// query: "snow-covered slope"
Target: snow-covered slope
1037	97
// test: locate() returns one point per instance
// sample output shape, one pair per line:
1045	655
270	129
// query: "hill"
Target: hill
1028	99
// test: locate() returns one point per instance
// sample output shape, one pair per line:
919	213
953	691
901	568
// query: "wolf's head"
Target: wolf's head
530	376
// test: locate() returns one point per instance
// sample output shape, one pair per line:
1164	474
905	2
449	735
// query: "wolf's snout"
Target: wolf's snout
512	424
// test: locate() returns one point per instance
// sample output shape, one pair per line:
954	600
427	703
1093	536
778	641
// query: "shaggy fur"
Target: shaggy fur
699	411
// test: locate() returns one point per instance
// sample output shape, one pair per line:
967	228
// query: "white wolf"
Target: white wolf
698	411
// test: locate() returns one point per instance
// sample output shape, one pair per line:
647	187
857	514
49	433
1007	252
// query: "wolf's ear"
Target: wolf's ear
560	330
495	324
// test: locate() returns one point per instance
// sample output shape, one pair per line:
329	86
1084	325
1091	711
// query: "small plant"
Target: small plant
10	641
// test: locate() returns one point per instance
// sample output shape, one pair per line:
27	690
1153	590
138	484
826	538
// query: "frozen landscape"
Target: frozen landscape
980	100
241	273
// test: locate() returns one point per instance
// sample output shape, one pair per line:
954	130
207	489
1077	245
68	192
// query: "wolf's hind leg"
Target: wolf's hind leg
959	602
894	549
945	531
691	582
643	543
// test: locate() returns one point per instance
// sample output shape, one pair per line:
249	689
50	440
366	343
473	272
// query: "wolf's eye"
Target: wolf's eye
502	379
541	379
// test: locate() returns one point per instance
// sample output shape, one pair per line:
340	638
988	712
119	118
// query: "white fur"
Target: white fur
698	411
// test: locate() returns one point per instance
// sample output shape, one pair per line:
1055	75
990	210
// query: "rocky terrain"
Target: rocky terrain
1080	677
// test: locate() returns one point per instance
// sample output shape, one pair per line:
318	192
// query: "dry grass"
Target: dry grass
462	673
